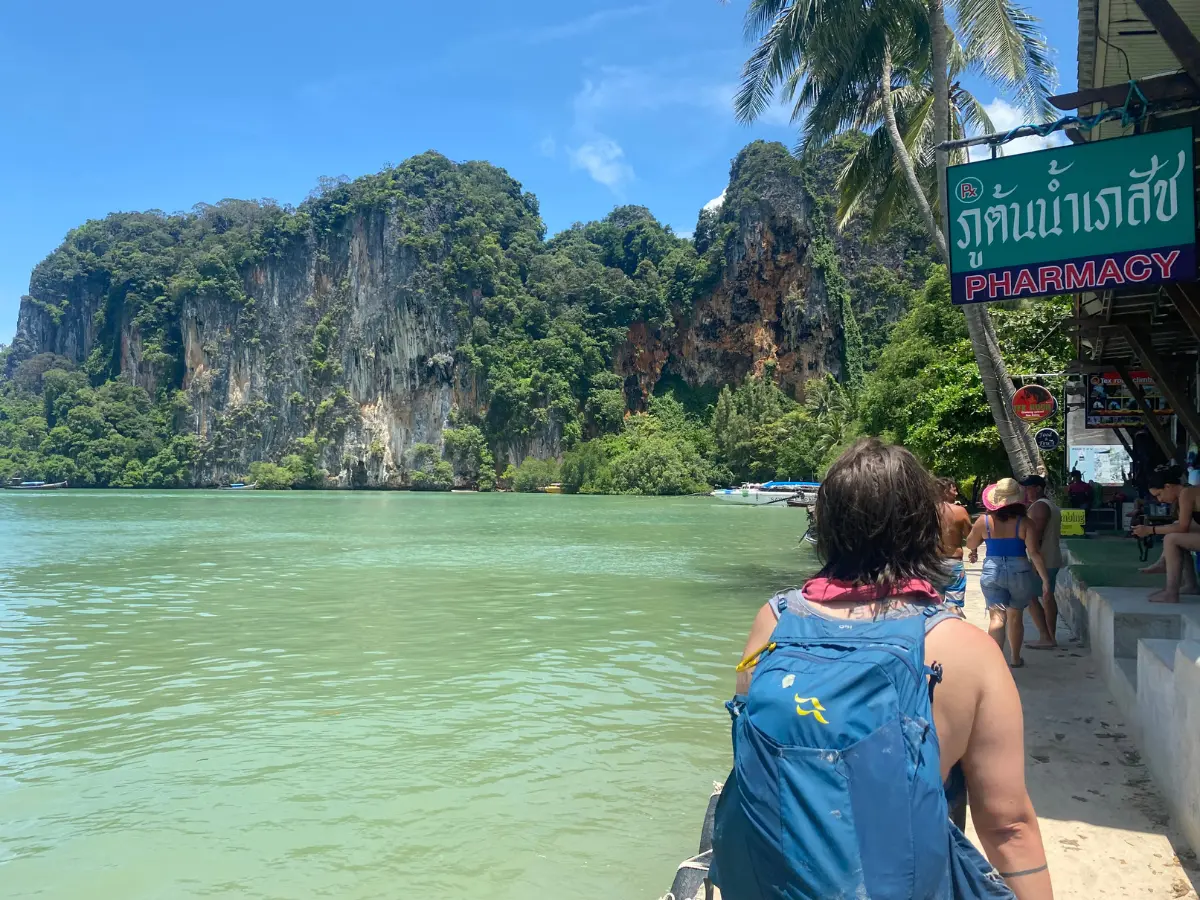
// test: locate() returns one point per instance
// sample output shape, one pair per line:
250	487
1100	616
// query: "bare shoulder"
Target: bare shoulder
973	669
957	637
966	653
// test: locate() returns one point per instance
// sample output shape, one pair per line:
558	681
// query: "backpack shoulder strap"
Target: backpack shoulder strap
936	614
779	603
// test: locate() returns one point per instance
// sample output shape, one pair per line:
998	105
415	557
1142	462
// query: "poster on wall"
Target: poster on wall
1095	216
1103	464
1111	405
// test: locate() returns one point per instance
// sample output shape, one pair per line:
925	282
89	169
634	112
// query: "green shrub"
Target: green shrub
270	477
534	474
437	476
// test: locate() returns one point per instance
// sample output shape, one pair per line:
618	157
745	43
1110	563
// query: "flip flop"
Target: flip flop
1040	646
1019	664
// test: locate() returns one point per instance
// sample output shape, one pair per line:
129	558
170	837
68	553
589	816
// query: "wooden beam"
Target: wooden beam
1152	422
1175	86
1181	403
1172	29
1187	304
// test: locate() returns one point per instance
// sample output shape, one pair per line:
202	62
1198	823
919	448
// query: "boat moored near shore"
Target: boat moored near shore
770	492
36	486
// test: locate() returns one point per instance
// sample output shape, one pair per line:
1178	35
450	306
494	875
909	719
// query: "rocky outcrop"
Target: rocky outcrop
338	323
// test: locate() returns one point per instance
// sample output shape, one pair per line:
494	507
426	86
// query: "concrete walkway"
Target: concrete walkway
1104	824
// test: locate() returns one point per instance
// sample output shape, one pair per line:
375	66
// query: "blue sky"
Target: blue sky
137	104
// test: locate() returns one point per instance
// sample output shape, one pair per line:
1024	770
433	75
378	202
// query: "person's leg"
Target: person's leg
996	622
1157	567
1038	614
1044	613
1187	574
1050	602
1175	547
1016	635
996	598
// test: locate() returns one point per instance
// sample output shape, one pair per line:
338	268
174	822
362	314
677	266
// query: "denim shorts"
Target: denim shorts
1009	582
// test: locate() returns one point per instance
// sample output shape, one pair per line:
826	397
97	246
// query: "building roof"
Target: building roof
1118	41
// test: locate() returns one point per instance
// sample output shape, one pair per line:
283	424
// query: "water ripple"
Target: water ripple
207	695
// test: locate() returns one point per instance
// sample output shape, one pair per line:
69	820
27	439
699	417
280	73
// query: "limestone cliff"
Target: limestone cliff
371	317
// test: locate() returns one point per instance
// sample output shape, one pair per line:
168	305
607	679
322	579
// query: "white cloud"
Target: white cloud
615	93
715	202
603	159
622	90
583	25
548	146
778	113
1006	117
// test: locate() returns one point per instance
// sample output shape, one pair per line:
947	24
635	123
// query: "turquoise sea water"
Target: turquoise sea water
368	695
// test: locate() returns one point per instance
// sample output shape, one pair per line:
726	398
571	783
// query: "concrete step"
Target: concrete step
1135	618
1191	623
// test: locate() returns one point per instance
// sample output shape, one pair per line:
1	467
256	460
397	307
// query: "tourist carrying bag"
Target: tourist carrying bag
836	786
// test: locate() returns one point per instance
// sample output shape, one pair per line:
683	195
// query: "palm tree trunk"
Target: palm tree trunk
1018	443
905	159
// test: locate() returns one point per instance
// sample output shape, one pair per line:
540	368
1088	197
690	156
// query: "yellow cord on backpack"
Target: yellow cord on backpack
752	660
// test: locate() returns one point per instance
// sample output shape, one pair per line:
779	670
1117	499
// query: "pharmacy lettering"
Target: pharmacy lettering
1099	216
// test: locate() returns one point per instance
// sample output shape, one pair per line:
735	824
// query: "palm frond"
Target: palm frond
1003	42
971	113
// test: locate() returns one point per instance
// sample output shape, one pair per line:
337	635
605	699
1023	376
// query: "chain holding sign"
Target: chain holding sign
1100	215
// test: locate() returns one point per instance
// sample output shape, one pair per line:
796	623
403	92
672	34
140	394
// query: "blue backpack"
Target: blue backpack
836	788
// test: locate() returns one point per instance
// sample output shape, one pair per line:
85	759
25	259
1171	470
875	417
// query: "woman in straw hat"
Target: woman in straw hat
1014	555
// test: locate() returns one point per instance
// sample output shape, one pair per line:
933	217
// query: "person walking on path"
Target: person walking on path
955	525
1180	538
837	786
1014	555
1046	518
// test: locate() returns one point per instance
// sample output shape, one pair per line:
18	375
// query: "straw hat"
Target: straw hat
1004	492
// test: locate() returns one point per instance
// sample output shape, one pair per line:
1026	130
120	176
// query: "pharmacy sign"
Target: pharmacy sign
1096	216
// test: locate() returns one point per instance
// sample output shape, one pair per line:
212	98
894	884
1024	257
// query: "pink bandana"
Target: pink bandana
828	590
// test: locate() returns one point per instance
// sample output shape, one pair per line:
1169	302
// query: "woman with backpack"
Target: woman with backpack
858	695
1014	572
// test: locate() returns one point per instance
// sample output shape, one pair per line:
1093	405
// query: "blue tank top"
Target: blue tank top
997	546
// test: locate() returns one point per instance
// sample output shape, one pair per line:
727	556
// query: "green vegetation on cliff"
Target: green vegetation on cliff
539	325
55	426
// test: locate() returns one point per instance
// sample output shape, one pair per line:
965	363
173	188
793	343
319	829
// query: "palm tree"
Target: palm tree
886	66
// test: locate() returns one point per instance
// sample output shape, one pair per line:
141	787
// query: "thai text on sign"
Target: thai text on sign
1103	215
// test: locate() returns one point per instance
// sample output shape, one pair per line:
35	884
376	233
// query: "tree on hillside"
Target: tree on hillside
852	64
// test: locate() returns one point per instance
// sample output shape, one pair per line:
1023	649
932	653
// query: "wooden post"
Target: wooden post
1175	33
1187	304
1155	426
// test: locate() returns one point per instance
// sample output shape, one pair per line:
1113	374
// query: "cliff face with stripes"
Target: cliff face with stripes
367	321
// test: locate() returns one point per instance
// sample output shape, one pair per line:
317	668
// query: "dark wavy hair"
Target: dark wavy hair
1165	475
877	518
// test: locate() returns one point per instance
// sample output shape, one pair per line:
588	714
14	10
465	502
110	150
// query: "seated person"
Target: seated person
1079	492
1180	538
